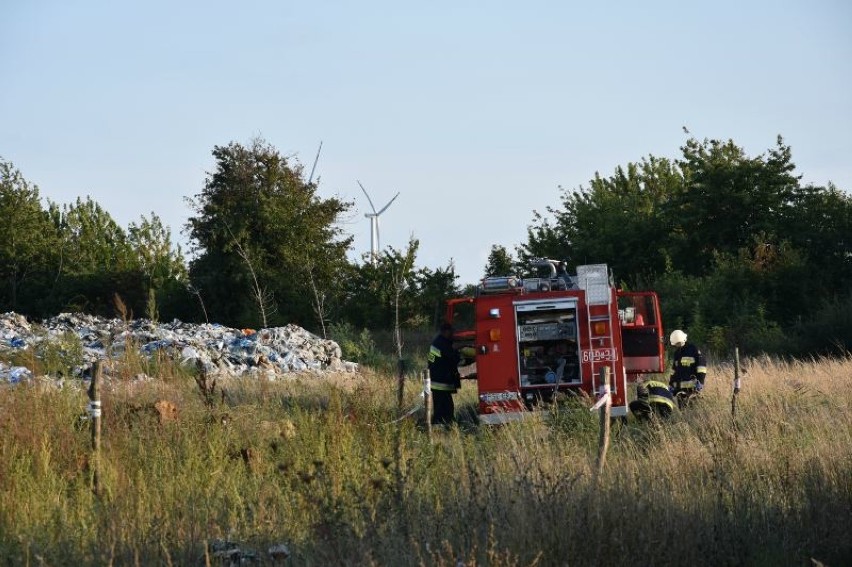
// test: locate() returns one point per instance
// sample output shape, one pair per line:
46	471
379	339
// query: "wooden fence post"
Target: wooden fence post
94	411
603	440
427	402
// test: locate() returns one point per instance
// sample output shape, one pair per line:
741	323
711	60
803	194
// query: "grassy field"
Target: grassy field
319	466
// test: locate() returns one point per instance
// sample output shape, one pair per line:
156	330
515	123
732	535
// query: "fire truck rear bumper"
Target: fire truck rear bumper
618	411
500	418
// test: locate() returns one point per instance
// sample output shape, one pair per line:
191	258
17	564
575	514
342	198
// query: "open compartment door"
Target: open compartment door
641	332
461	313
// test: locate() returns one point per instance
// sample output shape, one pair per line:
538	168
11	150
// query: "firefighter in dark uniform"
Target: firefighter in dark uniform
652	398
444	376
689	368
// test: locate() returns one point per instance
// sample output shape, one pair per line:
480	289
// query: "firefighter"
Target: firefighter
652	398
444	375
689	368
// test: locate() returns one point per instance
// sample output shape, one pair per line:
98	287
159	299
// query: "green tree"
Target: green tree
370	299
500	262
546	237
157	257
745	299
96	261
92	242
261	235
819	223
736	248
434	287
725	200
28	242
160	263
616	220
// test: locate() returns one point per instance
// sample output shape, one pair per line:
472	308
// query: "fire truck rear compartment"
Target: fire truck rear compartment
548	352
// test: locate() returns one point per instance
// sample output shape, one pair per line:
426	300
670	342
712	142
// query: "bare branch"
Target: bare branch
319	302
197	293
262	296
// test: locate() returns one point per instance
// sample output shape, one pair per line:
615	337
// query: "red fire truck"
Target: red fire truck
533	338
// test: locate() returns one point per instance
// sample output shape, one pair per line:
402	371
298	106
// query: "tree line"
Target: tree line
740	251
266	250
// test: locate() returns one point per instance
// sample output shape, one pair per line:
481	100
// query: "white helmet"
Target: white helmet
677	337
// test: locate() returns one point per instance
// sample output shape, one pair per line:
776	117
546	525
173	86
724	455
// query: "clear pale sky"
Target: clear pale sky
474	111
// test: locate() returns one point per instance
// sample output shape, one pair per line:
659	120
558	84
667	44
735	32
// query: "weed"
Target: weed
317	463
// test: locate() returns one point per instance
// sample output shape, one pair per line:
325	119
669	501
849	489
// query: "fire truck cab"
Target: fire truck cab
532	338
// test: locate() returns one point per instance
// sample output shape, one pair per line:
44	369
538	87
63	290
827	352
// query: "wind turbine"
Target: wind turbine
374	224
314	168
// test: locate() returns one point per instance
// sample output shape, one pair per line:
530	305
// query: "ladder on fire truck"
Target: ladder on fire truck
594	280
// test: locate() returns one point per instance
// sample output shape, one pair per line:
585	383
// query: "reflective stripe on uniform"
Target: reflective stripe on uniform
434	353
701	369
660	391
444	387
686	361
661	400
685	384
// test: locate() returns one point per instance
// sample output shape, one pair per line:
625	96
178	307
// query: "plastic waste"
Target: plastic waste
188	353
18	374
220	349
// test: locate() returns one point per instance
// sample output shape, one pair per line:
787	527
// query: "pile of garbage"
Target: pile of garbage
217	349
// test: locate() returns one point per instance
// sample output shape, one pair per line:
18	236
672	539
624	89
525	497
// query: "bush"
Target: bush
61	355
356	345
829	331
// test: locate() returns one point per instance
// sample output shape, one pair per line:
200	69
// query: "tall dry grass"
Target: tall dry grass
311	463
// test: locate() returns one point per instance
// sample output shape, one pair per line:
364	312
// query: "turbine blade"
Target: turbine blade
368	196
388	205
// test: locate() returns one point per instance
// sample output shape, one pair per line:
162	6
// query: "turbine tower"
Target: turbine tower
374	224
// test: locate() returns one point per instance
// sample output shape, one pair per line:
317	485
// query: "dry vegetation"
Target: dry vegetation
311	463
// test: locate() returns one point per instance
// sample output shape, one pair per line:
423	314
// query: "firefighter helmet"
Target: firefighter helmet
677	337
